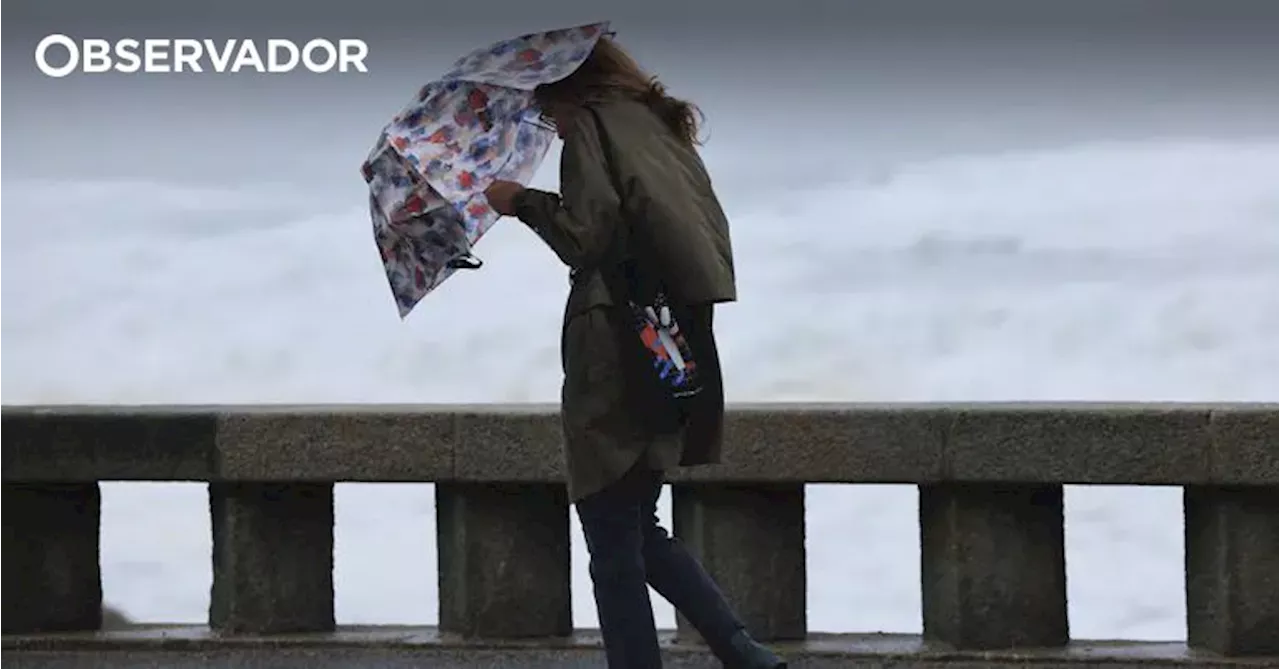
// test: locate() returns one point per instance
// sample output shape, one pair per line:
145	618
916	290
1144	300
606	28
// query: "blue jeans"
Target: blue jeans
630	551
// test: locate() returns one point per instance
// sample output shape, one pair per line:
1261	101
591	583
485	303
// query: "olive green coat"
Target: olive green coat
667	190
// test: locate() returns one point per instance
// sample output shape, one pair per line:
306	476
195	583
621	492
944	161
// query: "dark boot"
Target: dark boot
750	654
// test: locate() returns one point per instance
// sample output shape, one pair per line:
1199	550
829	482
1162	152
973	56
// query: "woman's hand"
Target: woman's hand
501	196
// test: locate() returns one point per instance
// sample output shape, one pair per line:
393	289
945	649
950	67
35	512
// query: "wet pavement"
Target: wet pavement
192	647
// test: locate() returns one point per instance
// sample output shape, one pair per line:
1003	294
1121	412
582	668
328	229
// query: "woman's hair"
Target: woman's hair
609	68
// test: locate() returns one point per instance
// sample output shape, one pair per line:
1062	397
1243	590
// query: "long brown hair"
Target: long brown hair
609	68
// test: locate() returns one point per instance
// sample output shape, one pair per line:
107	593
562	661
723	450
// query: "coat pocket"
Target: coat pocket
593	383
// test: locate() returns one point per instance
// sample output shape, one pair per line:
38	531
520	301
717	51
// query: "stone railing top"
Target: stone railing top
1139	444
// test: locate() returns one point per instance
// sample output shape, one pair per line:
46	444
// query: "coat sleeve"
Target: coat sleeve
581	223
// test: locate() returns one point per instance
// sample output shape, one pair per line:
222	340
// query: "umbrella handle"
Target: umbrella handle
466	261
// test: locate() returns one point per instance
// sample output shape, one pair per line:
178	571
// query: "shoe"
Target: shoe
750	654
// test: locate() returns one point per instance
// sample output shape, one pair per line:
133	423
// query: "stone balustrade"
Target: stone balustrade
990	478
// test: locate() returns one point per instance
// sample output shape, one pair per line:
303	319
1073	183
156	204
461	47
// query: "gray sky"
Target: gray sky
880	77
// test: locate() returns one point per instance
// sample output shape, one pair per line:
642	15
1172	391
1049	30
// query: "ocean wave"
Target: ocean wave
1141	271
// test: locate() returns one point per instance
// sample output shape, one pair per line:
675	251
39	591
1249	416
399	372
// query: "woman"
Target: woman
620	127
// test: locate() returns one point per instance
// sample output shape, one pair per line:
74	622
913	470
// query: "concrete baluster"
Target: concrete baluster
992	567
52	579
1230	523
272	557
750	539
1231	569
503	560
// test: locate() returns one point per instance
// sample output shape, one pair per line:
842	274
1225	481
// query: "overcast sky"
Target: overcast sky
867	78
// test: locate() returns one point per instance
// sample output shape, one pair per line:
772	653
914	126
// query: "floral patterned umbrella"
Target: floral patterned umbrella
430	166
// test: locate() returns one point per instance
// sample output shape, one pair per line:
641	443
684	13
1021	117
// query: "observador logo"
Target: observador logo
231	56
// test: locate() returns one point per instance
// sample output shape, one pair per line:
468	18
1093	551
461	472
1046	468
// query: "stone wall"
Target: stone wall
993	575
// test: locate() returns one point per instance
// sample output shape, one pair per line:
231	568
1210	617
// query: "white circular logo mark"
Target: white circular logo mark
73	55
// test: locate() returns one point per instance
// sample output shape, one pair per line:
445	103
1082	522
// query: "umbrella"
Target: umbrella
476	124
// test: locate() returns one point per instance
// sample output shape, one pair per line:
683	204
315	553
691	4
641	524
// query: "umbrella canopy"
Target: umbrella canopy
475	125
